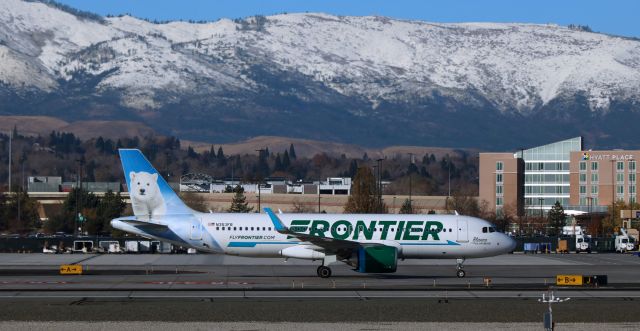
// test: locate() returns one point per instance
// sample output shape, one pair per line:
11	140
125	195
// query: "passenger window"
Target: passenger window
223	228
246	228
450	230
484	229
263	228
252	228
234	228
217	228
269	228
393	230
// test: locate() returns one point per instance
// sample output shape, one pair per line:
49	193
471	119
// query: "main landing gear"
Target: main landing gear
460	273
324	271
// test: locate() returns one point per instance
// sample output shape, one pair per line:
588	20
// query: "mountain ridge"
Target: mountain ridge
314	75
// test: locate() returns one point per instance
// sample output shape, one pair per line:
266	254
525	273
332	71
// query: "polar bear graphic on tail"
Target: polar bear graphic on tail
146	197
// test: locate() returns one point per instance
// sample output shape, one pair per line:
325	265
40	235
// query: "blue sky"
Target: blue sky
610	16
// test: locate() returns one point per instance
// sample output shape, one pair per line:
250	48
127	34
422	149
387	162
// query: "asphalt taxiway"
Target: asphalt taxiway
223	288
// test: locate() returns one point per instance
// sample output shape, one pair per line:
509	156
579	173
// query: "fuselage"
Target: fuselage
254	235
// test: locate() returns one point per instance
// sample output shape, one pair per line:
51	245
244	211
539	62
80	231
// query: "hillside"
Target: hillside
371	81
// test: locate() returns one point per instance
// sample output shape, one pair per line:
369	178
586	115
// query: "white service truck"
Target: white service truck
624	243
583	240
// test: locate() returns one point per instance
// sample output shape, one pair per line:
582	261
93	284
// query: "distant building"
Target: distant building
532	180
271	185
55	184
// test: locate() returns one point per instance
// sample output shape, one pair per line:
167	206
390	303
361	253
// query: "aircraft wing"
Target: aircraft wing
330	244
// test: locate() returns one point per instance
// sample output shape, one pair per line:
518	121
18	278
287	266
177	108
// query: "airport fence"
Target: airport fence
64	244
550	244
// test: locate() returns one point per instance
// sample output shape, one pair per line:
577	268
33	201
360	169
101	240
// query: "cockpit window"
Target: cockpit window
492	229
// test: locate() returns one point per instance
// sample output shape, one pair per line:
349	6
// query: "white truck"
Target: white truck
583	240
583	243
624	243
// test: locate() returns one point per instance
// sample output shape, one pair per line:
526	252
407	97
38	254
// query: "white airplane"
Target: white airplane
370	243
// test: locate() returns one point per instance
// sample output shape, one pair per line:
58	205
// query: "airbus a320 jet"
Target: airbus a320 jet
370	243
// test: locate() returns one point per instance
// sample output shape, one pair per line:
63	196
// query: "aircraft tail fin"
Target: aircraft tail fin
150	194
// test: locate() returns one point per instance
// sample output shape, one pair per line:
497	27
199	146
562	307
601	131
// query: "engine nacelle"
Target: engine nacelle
377	259
302	252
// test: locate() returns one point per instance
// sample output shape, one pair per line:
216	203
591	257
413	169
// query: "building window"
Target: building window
499	166
594	178
620	178
498	178
583	190
594	166
499	189
620	166
632	199
594	189
632	166
498	201
583	166
583	178
620	189
632	178
632	189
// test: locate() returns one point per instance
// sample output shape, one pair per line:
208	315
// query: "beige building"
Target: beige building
533	179
600	177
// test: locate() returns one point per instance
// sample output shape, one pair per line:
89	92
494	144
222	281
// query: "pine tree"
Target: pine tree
239	203
278	163
406	208
292	152
286	162
556	218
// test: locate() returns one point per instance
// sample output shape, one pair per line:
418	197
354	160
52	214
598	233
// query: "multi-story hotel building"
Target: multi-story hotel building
532	180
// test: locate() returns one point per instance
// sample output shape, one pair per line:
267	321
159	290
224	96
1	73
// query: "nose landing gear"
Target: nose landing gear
460	272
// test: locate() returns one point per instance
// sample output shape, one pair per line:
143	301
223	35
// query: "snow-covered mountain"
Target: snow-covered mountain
369	80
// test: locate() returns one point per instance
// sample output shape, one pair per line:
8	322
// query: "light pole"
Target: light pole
260	151
379	185
613	194
449	166
394	205
319	180
410	175
10	155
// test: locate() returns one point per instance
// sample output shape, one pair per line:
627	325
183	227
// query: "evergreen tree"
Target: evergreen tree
353	168
292	152
222	160
278	163
363	197
100	144
239	203
406	208
191	153
556	218
286	162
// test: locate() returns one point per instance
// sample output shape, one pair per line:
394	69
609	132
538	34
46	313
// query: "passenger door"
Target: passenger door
462	230
196	230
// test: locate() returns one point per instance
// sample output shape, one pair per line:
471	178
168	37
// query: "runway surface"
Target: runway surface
515	272
200	288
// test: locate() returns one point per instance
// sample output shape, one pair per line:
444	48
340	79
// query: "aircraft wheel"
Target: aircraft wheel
324	272
460	273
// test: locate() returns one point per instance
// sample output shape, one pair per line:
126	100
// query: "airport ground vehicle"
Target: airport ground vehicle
369	243
624	243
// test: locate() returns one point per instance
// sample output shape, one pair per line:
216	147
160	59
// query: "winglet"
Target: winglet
277	223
